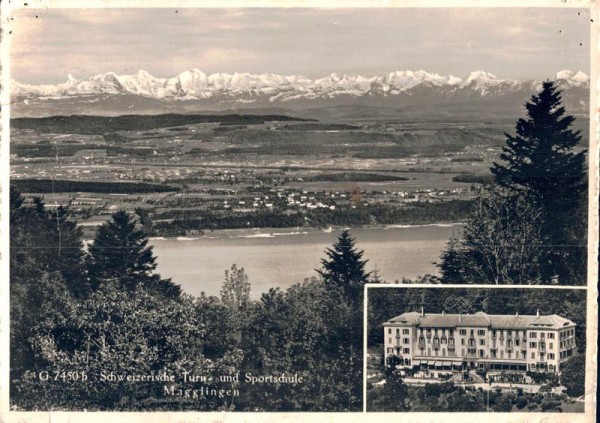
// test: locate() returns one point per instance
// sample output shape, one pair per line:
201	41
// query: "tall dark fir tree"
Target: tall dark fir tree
344	267
541	161
121	258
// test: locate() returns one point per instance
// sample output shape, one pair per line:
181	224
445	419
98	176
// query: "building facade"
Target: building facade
454	342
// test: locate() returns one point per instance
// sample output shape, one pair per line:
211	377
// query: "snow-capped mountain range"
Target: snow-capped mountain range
244	90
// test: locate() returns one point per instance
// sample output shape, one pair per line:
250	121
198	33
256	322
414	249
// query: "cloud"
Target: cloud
312	42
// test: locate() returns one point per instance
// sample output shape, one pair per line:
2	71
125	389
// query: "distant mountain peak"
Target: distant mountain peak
398	88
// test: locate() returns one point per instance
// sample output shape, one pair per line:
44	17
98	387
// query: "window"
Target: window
397	331
481	353
406	331
482	342
406	340
532	344
509	344
532	355
389	340
389	331
550	356
406	351
451	331
551	345
517	343
481	332
533	335
390	350
463	332
462	342
550	335
472	332
493	353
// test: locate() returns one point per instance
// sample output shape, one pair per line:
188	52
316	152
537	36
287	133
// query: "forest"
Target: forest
81	317
415	214
91	125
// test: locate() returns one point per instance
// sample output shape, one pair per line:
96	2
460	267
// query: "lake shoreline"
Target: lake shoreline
244	232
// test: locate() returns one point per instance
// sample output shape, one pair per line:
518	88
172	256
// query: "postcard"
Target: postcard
299	210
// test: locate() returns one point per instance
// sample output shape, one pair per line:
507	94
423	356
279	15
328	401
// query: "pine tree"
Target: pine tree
344	267
541	162
120	257
540	157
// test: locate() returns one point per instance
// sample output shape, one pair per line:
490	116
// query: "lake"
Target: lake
282	257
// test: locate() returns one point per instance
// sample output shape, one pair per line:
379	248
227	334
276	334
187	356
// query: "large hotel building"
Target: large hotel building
468	341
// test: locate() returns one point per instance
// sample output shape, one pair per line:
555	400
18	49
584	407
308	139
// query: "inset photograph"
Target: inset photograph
476	349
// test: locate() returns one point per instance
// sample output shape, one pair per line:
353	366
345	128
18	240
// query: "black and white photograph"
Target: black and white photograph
476	350
198	197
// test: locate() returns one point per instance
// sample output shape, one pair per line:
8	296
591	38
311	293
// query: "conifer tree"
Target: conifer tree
344	267
120	257
541	162
540	157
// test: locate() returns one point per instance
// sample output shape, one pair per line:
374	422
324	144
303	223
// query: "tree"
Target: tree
235	293
540	157
121	258
572	375
540	161
128	333
44	241
235	296
502	243
345	268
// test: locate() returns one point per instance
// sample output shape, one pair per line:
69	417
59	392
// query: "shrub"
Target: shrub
522	402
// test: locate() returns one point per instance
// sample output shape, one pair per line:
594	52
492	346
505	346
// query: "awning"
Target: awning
416	362
447	363
437	363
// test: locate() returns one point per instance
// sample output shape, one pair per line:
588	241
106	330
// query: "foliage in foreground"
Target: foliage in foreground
118	319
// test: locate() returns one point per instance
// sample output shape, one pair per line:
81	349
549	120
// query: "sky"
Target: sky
48	44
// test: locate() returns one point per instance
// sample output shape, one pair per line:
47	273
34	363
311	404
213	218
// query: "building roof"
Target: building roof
480	319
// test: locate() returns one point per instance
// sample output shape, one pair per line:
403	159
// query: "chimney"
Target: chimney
538	313
517	315
422	311
443	312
